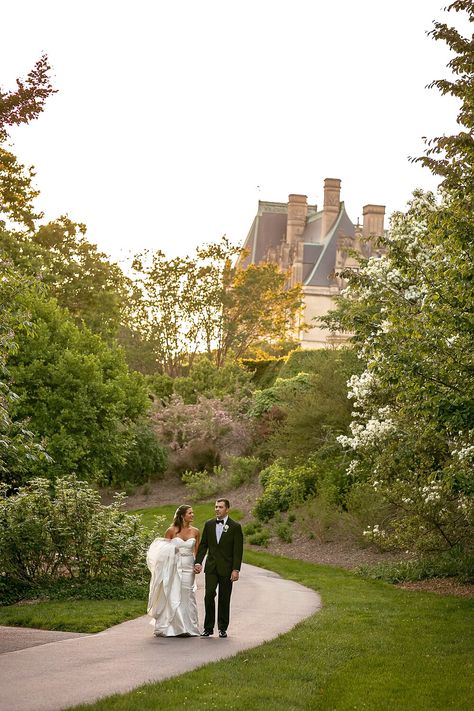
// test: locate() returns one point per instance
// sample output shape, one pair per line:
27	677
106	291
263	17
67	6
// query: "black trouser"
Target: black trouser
223	603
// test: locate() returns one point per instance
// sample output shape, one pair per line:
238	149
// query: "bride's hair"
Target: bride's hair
179	515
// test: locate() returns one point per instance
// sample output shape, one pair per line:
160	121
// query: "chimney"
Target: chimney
373	220
296	222
332	195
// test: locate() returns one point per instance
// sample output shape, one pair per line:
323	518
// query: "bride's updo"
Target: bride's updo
179	515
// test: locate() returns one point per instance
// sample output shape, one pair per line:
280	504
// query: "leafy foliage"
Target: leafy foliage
282	392
77	394
16	107
27	101
204	304
452	157
18	446
207	380
65	531
317	413
202	435
412	435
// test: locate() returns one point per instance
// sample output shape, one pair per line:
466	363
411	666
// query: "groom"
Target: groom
223	542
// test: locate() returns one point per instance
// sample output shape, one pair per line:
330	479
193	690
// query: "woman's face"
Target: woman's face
188	516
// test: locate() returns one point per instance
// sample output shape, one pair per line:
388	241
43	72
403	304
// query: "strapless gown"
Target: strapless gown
172	599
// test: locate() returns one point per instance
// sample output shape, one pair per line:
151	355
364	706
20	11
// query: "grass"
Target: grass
371	647
201	513
72	616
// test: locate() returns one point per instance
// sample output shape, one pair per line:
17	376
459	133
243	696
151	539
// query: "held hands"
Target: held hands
197	568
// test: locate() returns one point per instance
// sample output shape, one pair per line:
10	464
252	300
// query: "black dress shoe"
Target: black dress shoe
222	633
207	633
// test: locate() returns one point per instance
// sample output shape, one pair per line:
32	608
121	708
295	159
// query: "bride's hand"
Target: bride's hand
197	568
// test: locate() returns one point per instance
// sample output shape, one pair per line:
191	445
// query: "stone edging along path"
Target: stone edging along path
83	668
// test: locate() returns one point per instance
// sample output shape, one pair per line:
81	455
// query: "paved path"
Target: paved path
82	668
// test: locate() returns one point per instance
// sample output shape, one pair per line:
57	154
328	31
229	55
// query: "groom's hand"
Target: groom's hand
197	568
234	576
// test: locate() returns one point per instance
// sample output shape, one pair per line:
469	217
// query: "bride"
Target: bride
170	560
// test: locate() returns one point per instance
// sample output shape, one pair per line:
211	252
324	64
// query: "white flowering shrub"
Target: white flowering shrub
412	431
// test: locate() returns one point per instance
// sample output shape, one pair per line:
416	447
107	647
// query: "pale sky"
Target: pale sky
173	118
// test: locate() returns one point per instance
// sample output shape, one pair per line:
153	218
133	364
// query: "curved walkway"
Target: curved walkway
82	668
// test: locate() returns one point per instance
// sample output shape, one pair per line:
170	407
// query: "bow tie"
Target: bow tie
219	520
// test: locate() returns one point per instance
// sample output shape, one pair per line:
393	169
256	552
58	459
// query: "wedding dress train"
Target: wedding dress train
172	600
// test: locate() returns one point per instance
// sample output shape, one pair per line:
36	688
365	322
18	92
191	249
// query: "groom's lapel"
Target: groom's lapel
213	527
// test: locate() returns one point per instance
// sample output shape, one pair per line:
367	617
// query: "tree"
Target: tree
77	394
19	448
16	107
27	101
81	278
412	315
206	305
452	157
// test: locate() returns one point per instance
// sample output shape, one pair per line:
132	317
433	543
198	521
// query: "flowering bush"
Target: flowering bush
205	434
412	435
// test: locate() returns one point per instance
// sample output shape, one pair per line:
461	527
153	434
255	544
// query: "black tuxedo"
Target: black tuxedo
222	559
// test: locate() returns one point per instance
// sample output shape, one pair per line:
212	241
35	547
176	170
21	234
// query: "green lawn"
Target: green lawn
73	615
201	513
372	647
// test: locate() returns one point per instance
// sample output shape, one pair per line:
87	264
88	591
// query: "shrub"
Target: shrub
253	527
259	538
161	385
203	485
282	392
321	516
284	532
65	531
282	487
207	380
242	470
264	370
453	563
146	460
365	508
205	434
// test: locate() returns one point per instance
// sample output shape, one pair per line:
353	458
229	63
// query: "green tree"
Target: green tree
412	315
81	278
452	157
18	445
77	394
206	305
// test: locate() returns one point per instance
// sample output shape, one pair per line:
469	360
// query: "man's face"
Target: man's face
220	509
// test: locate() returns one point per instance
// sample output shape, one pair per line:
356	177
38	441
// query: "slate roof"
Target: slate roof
319	255
324	260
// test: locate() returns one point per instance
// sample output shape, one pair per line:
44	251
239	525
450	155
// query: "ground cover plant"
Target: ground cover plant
371	647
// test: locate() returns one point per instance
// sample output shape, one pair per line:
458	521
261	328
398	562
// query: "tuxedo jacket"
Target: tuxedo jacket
225	556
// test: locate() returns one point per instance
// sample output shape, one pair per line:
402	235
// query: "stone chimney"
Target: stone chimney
332	195
296	222
373	220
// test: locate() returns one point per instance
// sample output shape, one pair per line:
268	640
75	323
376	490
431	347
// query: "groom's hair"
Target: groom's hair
226	502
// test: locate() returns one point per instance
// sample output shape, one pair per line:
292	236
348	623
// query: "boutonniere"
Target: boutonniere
226	528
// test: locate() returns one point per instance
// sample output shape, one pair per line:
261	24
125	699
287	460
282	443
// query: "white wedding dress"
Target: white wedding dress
172	599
